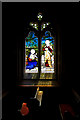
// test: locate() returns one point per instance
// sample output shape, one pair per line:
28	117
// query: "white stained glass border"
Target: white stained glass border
35	70
47	70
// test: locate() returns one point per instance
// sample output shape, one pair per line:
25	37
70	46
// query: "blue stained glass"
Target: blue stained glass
47	36
47	33
43	41
31	65
31	34
32	40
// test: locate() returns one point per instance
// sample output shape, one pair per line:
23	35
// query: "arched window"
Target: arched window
31	53
40	52
47	56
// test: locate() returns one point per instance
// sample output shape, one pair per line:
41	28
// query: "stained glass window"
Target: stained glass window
40	53
48	56
31	53
47	53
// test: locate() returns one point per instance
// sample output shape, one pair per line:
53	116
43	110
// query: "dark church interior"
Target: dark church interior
60	99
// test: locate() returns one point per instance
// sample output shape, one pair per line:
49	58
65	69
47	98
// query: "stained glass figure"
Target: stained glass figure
31	53
47	53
